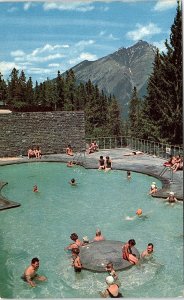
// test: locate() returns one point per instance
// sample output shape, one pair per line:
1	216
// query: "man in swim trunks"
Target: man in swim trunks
127	252
30	273
76	260
148	252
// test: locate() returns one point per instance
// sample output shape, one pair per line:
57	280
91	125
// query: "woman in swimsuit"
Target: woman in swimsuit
76	242
127	252
113	289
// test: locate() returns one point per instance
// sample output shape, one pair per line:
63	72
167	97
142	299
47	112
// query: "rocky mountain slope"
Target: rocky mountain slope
119	72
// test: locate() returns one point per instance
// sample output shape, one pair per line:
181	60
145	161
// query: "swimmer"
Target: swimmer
76	242
76	260
128	175
35	188
153	188
140	215
113	289
30	273
73	181
171	199
148	252
111	271
70	164
98	237
127	252
85	241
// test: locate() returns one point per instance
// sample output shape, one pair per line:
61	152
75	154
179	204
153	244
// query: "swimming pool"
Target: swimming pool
41	227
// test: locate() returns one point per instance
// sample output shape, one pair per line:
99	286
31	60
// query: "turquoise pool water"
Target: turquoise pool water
41	227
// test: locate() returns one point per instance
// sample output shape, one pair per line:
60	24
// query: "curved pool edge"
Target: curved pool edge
119	163
4	202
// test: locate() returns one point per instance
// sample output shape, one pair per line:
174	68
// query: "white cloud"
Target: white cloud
12	9
143	31
160	45
165	4
82	56
17	53
6	67
54	65
27	5
39	70
82	6
111	37
84	43
39	59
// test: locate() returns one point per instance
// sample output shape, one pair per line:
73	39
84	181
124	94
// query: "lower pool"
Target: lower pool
42	225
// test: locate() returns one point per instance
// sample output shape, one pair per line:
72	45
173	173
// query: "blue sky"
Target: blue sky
44	37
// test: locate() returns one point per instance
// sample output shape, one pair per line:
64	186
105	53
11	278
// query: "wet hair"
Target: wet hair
132	242
150	244
109	265
74	236
35	259
101	157
98	232
72	180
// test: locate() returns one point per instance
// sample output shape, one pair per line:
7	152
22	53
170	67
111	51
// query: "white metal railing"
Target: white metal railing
149	147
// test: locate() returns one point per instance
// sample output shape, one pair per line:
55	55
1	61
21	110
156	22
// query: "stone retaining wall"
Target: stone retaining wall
52	131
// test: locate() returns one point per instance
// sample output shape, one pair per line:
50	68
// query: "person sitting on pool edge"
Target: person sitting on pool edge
69	150
101	163
127	252
108	164
30	273
148	252
98	237
113	289
76	242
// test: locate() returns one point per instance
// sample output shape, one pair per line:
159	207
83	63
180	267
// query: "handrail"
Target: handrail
149	147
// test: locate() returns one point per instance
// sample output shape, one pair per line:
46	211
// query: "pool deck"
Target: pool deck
142	163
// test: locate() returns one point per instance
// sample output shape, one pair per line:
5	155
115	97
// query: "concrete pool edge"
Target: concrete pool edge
143	164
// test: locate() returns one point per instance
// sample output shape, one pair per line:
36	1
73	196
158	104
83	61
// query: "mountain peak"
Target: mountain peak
118	73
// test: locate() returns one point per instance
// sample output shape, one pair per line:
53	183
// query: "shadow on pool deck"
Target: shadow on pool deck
142	163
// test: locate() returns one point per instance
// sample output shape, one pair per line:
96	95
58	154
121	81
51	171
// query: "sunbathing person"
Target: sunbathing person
171	161
178	163
30	153
93	147
134	153
38	153
69	150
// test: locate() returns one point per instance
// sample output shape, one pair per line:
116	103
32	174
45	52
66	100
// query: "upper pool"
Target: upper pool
41	227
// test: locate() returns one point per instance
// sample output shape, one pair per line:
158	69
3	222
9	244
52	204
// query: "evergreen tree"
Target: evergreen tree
114	120
3	90
162	112
29	94
134	113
